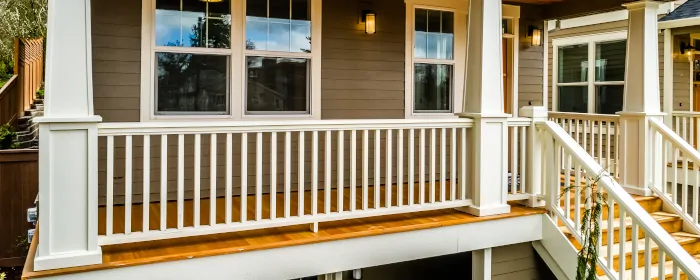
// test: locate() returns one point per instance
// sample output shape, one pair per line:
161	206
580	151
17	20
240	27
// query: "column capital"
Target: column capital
643	4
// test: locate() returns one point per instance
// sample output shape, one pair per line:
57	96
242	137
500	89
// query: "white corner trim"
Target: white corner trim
607	17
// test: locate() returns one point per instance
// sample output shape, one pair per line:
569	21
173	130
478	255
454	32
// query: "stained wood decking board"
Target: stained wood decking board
115	256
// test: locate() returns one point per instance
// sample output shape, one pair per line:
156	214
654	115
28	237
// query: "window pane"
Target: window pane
421	20
256	33
300	10
256	8
610	61
609	99
434	21
573	99
447	22
191	83
421	44
573	64
301	37
278	39
189	24
432	88
277	85
279	9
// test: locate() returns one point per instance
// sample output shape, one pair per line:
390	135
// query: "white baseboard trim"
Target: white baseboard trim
67	260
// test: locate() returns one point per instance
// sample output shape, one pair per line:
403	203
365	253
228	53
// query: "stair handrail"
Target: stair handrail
675	139
650	227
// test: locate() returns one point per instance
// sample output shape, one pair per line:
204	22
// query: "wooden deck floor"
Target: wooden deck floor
242	241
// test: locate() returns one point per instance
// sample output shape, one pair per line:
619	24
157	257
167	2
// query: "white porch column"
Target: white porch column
642	99
481	264
68	143
483	102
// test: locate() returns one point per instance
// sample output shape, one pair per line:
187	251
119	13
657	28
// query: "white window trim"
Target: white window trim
237	81
591	40
459	55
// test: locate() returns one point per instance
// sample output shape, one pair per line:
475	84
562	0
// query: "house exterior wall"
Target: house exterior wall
362	78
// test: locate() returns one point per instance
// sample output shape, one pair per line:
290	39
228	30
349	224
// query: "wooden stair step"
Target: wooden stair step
689	242
654	271
650	203
670	222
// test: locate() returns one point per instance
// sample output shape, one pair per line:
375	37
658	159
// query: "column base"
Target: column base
67	260
481	211
638	191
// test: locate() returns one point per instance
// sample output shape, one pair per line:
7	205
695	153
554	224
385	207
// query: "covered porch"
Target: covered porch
373	125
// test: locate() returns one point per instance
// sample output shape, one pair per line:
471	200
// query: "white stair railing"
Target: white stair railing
686	124
562	153
679	185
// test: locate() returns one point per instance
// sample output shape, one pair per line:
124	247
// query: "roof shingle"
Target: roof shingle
689	9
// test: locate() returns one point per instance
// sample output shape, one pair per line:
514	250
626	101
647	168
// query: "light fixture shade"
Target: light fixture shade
537	37
370	23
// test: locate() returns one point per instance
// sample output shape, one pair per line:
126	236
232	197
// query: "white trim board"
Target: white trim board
328	257
601	18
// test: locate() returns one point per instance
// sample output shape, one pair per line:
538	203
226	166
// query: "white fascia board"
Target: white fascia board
601	18
679	23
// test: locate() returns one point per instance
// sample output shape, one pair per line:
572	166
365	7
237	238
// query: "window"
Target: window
434	62
203	65
590	74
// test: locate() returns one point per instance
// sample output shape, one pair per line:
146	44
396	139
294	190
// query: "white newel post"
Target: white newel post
68	143
483	102
641	98
535	148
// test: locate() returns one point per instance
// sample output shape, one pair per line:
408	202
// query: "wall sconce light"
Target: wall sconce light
688	50
536	36
370	19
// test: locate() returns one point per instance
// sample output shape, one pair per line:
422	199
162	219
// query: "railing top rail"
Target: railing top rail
163	127
519	121
10	83
685	148
584	116
685	114
633	209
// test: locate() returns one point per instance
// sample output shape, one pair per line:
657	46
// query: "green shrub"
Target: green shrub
40	92
8	137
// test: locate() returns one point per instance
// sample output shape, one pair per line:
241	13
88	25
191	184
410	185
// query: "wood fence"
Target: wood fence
19	186
20	91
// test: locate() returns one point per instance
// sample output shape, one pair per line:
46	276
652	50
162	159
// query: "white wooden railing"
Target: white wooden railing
427	160
596	133
686	124
680	165
518	188
562	152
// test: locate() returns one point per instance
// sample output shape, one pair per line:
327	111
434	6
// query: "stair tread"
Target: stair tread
659	217
654	270
637	198
681	237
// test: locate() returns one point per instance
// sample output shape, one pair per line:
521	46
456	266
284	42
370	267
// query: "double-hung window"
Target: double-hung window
590	73
231	59
433	62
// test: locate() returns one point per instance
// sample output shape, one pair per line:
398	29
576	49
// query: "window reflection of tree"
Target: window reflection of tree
192	82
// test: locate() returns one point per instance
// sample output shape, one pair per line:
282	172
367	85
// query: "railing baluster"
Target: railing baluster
684	187
463	165
314	172
607	148
432	165
694	204
399	168
353	170
258	175
146	182
616	161
421	165
341	169
647	257
622	241
377	168
244	177
127	184
287	174
229	177
611	235
577	195
180	181
676	272
674	182
567	184
365	169
513	160
273	175
163	181
212	180
197	177
301	188
521	181
388	185
443	162
110	186
453	164
660	264
411	165
600	143
635	248
327	172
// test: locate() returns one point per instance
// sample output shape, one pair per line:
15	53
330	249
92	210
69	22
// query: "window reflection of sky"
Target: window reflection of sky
275	34
175	28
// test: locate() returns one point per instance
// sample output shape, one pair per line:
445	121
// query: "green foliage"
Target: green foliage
590	227
2	276
23	19
8	137
40	92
